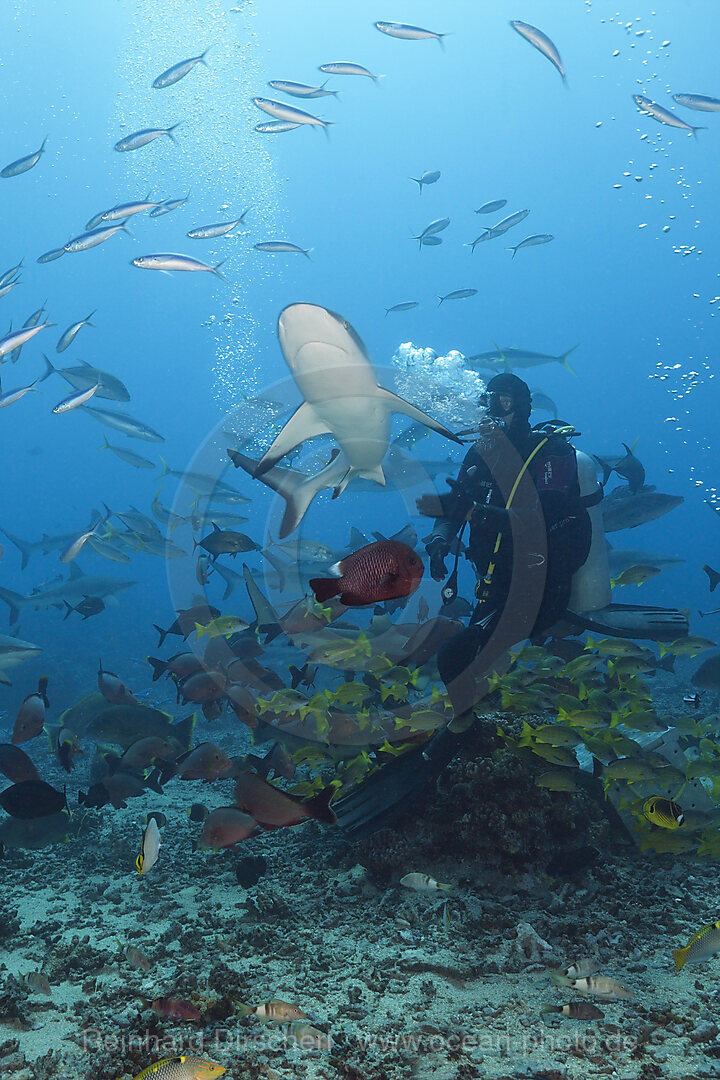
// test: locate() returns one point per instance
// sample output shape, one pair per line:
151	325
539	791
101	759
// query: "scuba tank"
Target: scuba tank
591	583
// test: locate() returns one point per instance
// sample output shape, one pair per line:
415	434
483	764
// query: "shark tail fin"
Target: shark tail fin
14	601
25	547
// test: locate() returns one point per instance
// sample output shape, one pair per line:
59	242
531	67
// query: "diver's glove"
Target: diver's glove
437	549
496	517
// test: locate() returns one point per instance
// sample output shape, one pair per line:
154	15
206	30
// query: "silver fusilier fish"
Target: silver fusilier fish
92	238
408	33
10	274
532	241
699	102
128	456
407	305
179	71
50	256
281	111
541	42
279	247
168	206
121	212
5	289
663	116
145	136
23	164
134	429
426	179
221	228
508	222
17	338
71	333
74	400
492	206
72	551
302	90
276	127
11	396
488	234
430	230
458	294
343	67
171	261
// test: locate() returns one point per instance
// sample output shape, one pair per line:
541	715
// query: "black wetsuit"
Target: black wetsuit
524	556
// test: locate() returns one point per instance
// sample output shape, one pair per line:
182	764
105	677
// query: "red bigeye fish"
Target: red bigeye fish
30	719
384	570
225	827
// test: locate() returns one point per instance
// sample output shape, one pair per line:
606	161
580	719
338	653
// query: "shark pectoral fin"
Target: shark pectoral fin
398	404
303	424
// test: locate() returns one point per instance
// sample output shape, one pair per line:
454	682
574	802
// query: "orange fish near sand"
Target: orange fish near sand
384	570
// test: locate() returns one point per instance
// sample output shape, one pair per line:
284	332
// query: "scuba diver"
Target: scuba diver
540	527
537	544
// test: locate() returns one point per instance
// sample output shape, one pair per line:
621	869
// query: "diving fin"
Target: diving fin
632	621
386	795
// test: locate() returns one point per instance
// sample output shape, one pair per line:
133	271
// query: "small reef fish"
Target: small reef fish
458	294
383	570
532	241
220	228
301	90
73	401
136	958
32	799
149	847
576	1010
225	827
37	982
113	689
598	985
282	247
182	1068
280	110
16	764
491	207
175	1009
274	1012
71	333
407	305
663	812
30	719
424	883
276	127
702	945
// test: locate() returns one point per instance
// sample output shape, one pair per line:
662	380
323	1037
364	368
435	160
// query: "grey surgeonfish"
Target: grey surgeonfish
625	509
541	42
331	368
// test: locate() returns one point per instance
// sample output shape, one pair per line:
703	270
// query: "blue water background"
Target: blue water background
487	110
